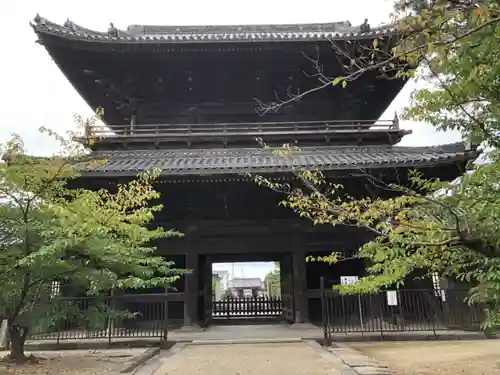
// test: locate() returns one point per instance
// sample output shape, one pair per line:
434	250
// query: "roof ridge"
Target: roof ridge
310	151
262	32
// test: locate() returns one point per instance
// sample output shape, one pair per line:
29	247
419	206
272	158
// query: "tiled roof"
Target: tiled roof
183	34
238	161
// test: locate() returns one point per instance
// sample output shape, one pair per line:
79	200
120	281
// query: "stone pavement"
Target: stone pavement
300	357
309	331
255	331
358	363
248	359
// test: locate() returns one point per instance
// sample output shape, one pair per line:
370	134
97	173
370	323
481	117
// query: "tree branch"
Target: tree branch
394	59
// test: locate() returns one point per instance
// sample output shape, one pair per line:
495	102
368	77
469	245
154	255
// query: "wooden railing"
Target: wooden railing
248	307
238	129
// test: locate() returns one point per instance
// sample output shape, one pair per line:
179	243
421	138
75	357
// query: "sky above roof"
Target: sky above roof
245	269
35	93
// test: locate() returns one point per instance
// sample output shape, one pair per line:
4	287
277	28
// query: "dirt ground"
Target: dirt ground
480	357
77	362
247	359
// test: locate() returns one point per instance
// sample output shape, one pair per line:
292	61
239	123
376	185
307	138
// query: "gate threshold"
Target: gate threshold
284	340
247	321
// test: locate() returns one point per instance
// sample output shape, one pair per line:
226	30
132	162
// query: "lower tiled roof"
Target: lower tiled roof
239	161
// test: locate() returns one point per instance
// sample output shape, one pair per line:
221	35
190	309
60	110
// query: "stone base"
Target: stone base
303	326
191	328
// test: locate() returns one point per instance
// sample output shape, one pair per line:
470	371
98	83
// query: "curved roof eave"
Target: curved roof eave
190	162
205	34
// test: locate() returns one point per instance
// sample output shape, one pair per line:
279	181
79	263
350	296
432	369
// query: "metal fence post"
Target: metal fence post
434	317
165	317
58	328
360	309
111	316
382	320
324	317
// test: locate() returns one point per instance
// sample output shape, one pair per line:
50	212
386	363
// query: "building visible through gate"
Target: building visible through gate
182	99
245	297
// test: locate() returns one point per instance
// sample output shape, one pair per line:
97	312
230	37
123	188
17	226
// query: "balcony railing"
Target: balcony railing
239	129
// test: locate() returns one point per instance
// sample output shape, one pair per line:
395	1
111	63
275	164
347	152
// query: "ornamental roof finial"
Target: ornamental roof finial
396	120
365	27
39	20
70	25
112	31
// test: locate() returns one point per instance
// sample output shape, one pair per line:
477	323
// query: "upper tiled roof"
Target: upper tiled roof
239	161
183	34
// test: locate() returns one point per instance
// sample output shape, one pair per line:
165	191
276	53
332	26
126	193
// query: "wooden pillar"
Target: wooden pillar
207	290
299	279
287	287
191	280
133	117
133	122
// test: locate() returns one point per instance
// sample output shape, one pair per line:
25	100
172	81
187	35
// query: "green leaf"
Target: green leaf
337	80
93	239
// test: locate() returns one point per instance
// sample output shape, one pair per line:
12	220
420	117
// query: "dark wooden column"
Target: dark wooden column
191	286
299	278
207	289
287	287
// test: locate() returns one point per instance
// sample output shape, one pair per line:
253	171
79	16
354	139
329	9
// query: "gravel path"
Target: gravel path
73	362
247	359
437	357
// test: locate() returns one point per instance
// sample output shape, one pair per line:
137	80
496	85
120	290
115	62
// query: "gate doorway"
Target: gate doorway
246	292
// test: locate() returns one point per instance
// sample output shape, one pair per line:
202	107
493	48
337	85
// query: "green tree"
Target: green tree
272	281
451	229
227	294
52	231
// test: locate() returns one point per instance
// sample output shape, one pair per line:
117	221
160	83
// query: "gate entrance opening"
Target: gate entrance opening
246	291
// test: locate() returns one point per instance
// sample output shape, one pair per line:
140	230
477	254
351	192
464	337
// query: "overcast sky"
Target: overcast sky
34	93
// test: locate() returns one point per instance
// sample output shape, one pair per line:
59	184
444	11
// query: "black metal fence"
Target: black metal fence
108	318
424	310
248	307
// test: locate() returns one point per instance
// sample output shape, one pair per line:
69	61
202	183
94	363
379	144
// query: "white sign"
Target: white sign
392	298
443	295
346	280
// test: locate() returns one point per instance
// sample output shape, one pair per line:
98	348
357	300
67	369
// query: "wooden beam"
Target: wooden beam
250	227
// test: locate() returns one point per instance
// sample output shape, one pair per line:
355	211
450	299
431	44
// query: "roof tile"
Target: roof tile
238	161
155	34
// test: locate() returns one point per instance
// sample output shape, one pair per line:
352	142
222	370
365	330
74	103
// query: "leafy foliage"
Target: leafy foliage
435	226
272	281
51	230
448	228
458	46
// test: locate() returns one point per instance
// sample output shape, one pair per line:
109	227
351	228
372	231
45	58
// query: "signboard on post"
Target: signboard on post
392	298
346	280
349	280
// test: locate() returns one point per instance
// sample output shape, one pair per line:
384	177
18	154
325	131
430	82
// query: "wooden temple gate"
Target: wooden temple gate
204	163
